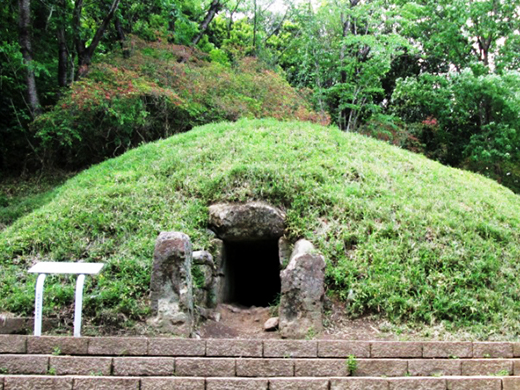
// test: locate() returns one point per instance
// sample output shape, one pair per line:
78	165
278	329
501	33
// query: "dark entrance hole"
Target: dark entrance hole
252	271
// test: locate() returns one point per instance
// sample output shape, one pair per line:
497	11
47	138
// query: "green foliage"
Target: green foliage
197	276
352	365
19	196
403	236
464	119
151	95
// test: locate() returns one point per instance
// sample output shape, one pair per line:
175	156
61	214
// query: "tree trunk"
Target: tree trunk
24	23
230	22
85	53
63	57
254	28
213	9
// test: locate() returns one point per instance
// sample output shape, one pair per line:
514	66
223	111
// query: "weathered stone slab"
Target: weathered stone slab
118	346
381	367
13	344
438	367
114	383
483	383
265	367
476	367
250	221
396	349
13	325
176	347
57	345
234	348
320	367
492	350
24	364
298	384
358	384
290	348
29	382
339	348
442	349
171	284
205	367
302	292
80	365
151	366
516	349
236	384
173	384
510	383
417	384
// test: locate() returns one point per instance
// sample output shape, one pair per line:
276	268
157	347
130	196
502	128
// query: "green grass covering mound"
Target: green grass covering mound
402	235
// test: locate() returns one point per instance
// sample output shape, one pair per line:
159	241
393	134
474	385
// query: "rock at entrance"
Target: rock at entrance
171	285
250	221
301	302
284	251
271	324
203	279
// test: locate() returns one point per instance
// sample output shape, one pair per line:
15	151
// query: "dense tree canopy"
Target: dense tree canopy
437	77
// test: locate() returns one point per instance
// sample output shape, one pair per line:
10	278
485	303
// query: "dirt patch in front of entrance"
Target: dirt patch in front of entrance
242	322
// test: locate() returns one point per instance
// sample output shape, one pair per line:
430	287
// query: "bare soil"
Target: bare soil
233	321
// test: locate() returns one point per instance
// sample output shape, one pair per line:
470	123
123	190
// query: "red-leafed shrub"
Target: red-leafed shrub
159	90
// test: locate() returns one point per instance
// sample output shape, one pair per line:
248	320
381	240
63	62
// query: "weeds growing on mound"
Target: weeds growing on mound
403	236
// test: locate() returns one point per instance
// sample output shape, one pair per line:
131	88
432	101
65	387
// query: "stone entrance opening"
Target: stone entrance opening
252	272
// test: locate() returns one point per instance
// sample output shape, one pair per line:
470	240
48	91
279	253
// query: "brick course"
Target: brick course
358	384
13	344
68	365
29	382
486	366
417	384
114	383
462	383
236	384
492	350
234	348
147	366
176	347
510	383
265	367
381	367
290	348
173	384
23	364
298	384
320	367
61	345
395	349
205	367
429	367
442	349
118	346
338	348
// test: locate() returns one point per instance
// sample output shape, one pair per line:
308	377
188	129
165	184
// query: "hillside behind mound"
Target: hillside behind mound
403	236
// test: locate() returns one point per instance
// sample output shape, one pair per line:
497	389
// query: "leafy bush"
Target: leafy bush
160	90
466	120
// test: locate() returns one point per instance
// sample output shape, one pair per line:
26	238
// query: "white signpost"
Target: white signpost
45	268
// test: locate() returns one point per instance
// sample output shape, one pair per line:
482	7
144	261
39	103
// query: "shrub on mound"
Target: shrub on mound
158	90
402	235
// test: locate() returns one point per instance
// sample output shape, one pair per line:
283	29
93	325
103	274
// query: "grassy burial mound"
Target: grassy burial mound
403	236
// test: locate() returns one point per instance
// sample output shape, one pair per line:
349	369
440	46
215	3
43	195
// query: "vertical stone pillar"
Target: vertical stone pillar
204	294
171	284
301	302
